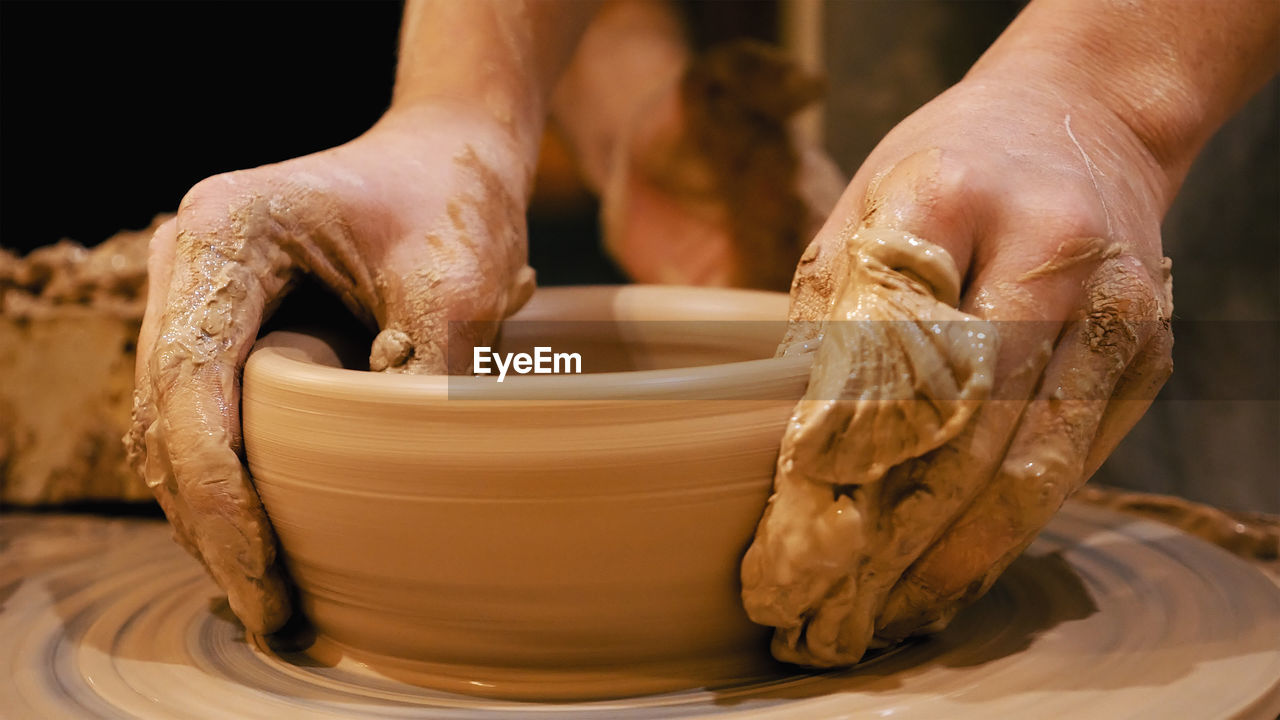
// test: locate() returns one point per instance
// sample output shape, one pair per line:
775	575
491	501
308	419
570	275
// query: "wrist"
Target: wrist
1171	73
508	114
416	129
498	59
1169	137
630	54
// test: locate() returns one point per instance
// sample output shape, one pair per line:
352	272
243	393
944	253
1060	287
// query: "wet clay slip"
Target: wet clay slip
550	536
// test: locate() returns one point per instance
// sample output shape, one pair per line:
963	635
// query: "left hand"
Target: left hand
991	310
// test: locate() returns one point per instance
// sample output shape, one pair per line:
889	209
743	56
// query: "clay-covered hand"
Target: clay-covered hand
989	310
418	222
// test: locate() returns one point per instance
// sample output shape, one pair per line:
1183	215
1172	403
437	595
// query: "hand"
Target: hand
418	222
934	443
709	186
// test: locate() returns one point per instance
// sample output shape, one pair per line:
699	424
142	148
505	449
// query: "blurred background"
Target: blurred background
110	111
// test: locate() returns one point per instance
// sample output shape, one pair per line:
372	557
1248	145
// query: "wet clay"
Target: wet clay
484	237
564	536
887	387
241	242
110	277
1254	536
893	509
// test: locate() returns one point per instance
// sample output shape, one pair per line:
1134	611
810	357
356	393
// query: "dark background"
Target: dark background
112	110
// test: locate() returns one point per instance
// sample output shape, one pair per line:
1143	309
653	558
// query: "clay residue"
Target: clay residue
391	349
813	290
899	373
1073	253
1254	536
110	277
242	243
69	318
481	246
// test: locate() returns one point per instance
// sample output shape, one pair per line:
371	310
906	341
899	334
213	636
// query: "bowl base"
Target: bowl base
563	683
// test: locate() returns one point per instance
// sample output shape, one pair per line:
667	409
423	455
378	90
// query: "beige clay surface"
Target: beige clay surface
1104	617
550	536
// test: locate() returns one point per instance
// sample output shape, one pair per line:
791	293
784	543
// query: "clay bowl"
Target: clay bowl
550	536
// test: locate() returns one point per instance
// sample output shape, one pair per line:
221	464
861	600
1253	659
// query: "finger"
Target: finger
148	463
159	269
226	271
442	297
1139	384
1134	393
888	385
920	498
901	506
1045	461
924	195
898	374
923	497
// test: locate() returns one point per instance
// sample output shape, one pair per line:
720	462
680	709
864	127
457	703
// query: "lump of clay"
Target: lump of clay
898	372
69	318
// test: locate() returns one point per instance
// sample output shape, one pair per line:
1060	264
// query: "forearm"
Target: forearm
502	57
1173	71
632	49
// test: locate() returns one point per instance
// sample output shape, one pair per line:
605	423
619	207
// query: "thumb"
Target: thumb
434	322
225	272
922	195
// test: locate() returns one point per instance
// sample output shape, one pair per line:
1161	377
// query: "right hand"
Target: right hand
989	311
417	222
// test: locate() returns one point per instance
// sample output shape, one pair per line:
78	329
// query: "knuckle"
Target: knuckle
1074	218
953	179
1077	213
223	203
164	236
209	195
1123	308
936	187
1157	356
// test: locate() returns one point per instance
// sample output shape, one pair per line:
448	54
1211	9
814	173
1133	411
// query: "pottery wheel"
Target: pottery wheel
1103	617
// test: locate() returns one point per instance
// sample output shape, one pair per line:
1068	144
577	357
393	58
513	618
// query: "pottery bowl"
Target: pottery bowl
549	536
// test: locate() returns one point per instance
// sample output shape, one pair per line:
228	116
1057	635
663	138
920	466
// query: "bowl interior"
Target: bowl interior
634	342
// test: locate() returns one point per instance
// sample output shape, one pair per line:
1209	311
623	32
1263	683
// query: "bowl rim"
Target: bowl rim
306	362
